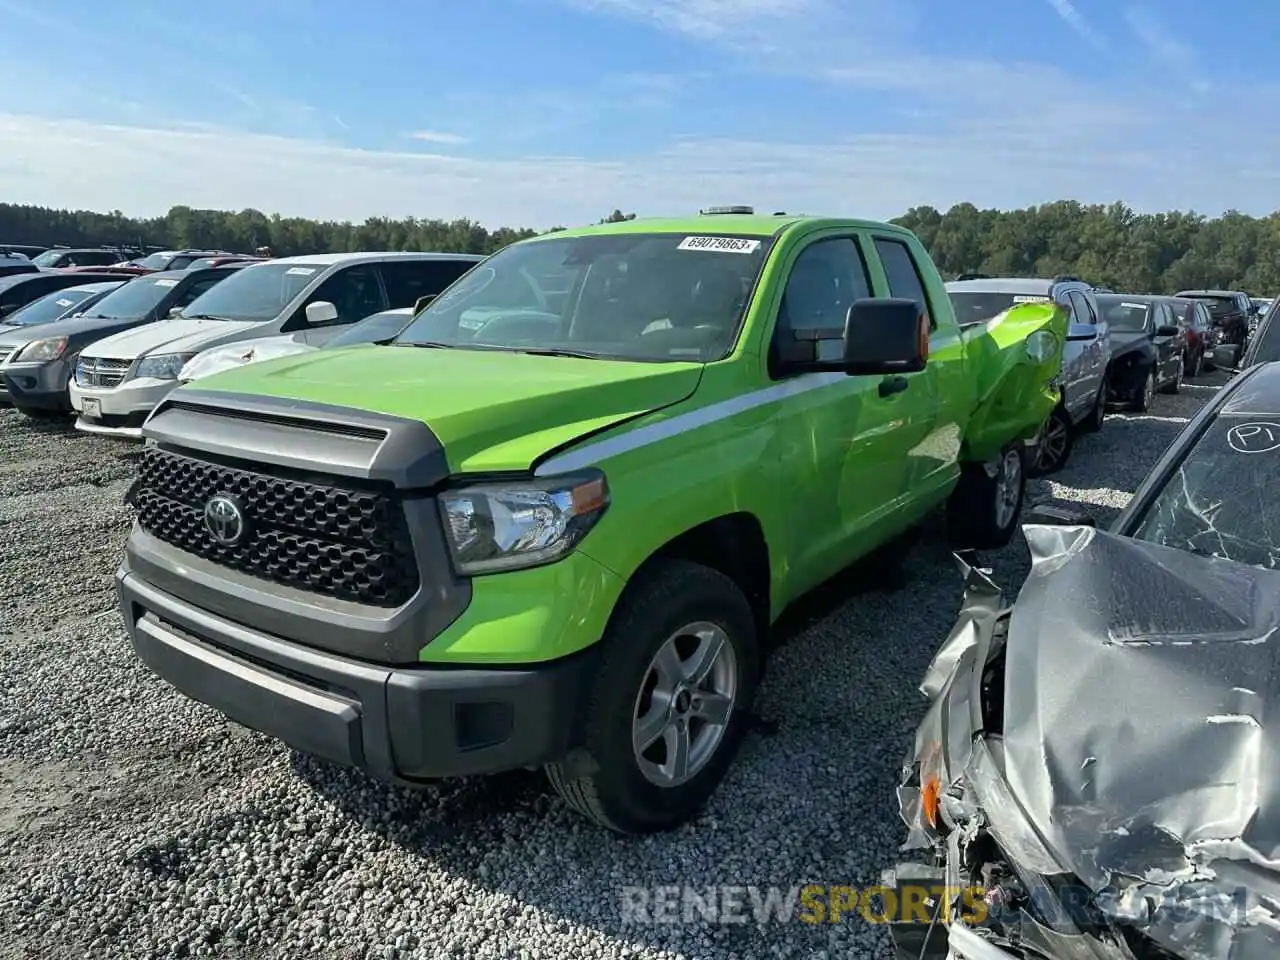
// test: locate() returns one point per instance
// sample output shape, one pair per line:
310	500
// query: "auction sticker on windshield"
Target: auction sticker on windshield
720	244
166	283
300	271
1021	298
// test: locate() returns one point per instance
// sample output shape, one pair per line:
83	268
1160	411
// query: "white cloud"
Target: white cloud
1153	34
144	171
437	136
1076	21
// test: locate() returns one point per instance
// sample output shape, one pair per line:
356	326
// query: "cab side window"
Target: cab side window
903	275
194	290
355	292
826	279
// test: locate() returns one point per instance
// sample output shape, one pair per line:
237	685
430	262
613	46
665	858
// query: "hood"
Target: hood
492	410
1139	709
171	335
79	330
231	355
1125	342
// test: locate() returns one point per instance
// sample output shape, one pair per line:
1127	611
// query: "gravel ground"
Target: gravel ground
135	823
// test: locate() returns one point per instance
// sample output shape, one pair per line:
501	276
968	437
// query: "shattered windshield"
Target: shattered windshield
649	297
1220	502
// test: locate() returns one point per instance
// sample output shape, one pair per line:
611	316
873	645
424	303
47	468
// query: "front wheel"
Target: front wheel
984	507
670	702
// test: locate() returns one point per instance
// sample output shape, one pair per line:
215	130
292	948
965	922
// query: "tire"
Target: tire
605	780
1142	403
983	511
36	413
1056	440
1098	415
1197	365
1175	385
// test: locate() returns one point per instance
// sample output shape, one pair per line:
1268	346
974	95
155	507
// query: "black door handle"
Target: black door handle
891	385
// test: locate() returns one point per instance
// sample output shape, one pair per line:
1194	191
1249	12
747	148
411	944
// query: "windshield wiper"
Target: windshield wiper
205	316
552	352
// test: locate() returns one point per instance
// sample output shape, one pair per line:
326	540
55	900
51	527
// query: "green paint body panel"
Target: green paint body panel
821	465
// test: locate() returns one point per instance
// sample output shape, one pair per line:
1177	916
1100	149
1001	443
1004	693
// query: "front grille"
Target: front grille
345	543
101	372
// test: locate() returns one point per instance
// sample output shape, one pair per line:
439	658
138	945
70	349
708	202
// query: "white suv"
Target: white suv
119	380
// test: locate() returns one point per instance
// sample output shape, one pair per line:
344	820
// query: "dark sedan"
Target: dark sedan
1148	348
1202	336
42	359
18	290
1098	770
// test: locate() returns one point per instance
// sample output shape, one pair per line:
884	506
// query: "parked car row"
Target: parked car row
113	358
1121	349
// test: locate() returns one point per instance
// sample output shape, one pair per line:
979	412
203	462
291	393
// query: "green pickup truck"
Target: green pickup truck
551	522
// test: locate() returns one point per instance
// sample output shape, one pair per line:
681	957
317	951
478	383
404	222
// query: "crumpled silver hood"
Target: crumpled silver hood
1140	734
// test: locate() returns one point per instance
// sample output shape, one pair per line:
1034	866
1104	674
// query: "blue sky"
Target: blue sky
542	112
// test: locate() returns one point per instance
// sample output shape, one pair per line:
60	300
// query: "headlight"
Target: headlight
164	366
504	526
38	350
1041	345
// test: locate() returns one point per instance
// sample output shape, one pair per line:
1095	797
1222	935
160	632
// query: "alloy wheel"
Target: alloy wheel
1008	488
685	703
1053	443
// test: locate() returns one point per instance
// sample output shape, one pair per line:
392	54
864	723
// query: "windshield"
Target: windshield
1124	316
157	261
256	293
48	308
1221	501
971	308
1218	305
380	326
135	299
641	297
49	258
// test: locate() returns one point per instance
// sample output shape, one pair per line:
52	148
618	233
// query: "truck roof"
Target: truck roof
750	225
1023	285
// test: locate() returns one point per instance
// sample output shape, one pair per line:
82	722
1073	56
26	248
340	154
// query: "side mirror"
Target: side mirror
322	311
174	311
1082	331
422	303
1051	516
882	336
1167	331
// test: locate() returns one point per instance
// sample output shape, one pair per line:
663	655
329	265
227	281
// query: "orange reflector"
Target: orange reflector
930	800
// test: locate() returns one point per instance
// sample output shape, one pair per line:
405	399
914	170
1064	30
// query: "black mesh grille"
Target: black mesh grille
350	544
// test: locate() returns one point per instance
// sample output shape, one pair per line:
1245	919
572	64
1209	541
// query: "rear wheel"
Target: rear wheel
1098	415
985	506
1056	440
670	702
1143	403
1197	365
1174	385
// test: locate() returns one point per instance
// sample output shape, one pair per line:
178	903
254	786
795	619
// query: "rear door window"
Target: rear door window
903	274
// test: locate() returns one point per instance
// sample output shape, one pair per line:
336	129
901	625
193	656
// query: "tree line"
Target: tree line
1109	245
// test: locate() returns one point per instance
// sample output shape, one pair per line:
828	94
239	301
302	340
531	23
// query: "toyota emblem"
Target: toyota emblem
224	519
